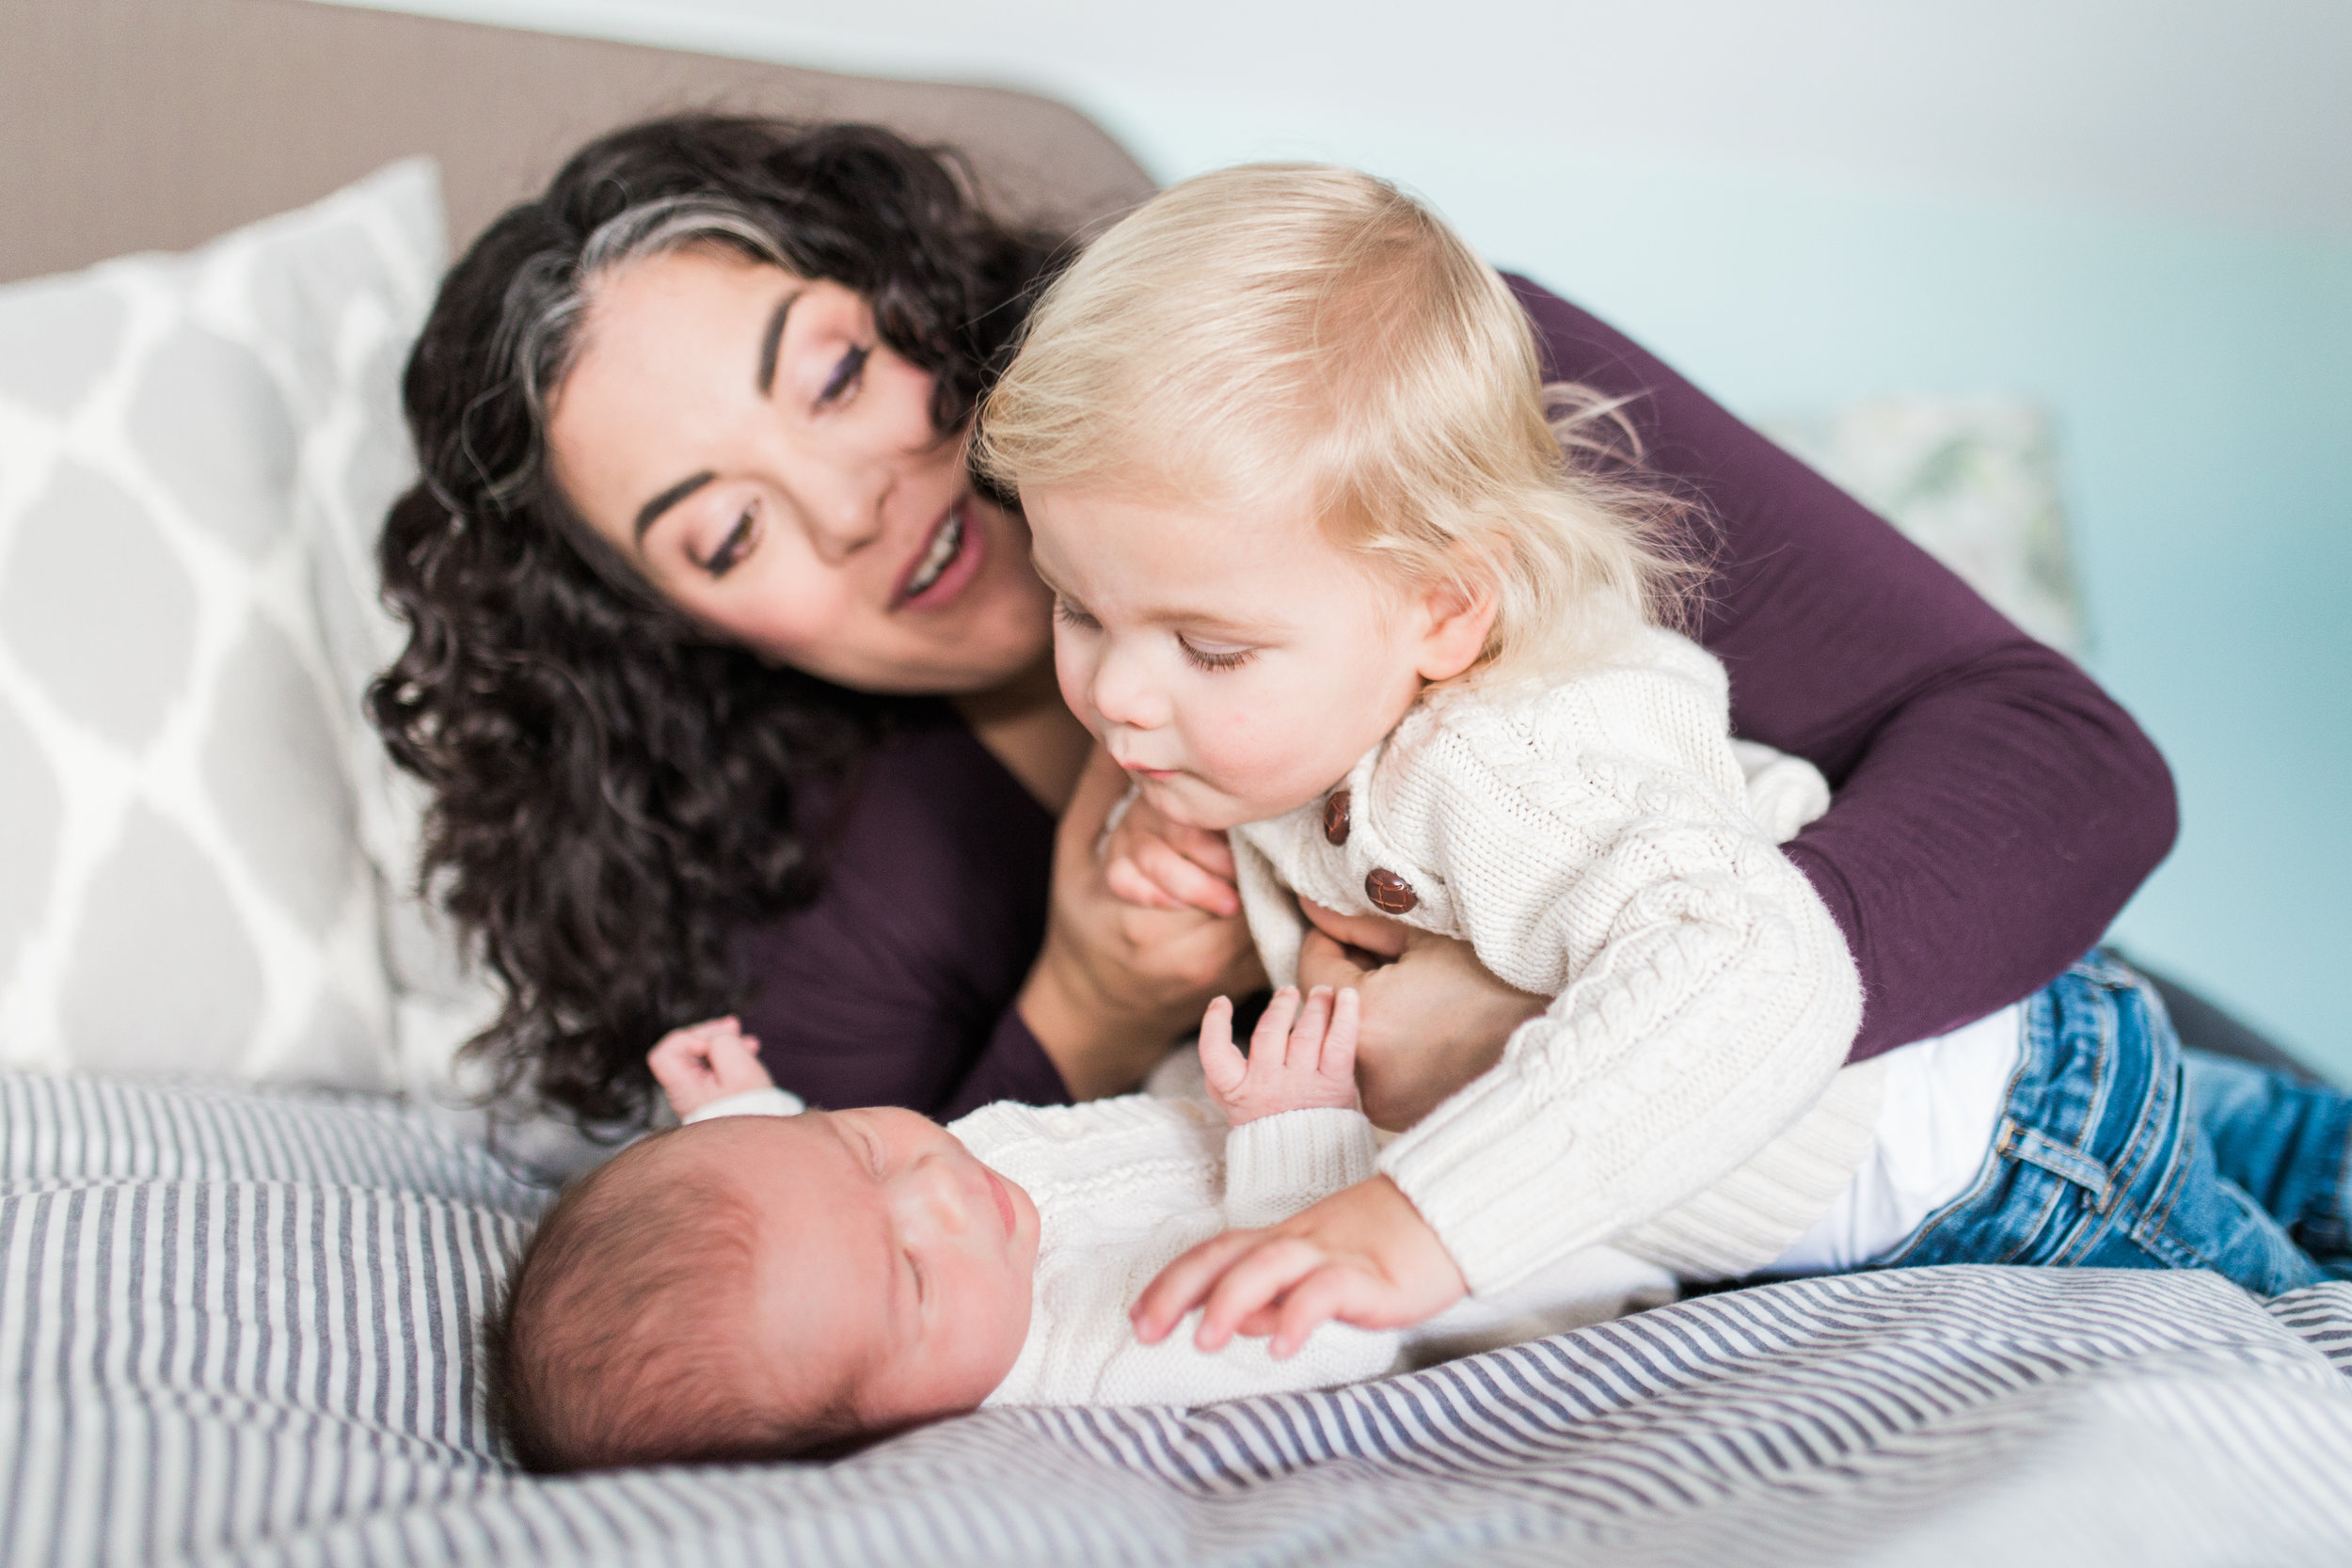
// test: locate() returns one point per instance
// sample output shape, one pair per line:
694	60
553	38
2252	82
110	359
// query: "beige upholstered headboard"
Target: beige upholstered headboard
156	124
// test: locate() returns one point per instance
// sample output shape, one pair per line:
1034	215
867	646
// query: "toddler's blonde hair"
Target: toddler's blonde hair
1279	331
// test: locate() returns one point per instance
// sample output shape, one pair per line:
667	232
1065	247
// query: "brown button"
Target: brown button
1390	893
1335	816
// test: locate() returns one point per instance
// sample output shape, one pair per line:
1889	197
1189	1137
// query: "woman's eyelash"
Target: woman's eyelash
1216	661
733	548
852	365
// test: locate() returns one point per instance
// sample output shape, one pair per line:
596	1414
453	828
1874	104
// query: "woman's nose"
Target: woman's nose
842	510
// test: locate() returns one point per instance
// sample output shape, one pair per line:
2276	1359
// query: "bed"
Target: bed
247	1227
240	1329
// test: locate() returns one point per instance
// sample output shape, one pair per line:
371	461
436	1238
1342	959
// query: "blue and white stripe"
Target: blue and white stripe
239	1328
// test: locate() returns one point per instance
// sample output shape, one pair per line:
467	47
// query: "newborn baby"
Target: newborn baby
761	1284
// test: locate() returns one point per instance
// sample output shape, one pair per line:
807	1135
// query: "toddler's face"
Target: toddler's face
1236	662
890	1258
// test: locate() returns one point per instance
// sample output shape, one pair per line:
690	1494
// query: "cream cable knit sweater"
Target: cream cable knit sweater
1596	841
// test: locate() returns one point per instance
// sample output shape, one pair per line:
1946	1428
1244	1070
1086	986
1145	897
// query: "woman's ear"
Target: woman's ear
1455	620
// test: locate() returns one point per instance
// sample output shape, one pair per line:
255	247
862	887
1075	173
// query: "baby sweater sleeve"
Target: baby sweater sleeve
751	1102
1277	1166
1594	843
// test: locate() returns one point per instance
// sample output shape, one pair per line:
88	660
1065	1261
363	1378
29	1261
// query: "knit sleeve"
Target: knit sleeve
1277	1166
1596	845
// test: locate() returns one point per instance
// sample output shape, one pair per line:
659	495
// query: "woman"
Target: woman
734	691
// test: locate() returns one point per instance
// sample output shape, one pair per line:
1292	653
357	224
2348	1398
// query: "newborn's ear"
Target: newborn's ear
1455	620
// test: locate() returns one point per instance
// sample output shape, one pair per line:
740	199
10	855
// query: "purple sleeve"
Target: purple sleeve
896	986
1993	807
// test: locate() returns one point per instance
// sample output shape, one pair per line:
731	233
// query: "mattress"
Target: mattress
240	1327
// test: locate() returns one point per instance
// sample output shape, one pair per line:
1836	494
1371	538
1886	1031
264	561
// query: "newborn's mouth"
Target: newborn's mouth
1004	1202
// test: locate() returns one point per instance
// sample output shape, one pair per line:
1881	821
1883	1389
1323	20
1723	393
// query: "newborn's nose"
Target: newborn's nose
945	1198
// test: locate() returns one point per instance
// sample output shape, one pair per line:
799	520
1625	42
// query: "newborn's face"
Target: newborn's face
889	1253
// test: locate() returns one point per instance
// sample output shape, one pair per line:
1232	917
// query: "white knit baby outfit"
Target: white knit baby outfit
1124	1186
1599	841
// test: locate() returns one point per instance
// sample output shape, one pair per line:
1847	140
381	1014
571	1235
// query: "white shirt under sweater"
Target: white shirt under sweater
1124	1186
1598	840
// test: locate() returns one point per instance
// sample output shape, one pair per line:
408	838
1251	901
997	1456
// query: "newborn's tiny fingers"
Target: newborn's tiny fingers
1274	1025
1338	1041
1221	1061
1306	1038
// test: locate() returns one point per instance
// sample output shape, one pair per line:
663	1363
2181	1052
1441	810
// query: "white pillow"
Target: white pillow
1973	481
185	887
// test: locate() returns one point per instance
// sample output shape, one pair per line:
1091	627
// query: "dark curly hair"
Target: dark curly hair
615	796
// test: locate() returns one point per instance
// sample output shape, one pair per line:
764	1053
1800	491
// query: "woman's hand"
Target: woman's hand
1363	1256
1117	982
1433	1017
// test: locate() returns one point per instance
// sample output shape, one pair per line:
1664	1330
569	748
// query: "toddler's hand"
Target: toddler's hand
1363	1254
706	1061
1302	1066
1161	865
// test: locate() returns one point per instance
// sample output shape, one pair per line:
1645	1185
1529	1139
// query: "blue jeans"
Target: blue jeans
2118	1149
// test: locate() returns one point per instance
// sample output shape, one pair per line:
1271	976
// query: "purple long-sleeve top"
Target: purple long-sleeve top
1993	807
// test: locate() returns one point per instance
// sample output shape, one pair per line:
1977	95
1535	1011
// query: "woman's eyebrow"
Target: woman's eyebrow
772	339
668	498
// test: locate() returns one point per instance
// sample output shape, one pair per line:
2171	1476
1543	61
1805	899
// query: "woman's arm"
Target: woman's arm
916	979
1993	807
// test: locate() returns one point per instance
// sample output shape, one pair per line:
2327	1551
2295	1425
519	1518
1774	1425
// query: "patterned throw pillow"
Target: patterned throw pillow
183	883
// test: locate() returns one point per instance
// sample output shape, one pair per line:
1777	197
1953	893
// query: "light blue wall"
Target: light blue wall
2200	371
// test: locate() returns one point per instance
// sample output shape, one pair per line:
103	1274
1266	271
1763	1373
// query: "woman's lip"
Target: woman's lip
956	576
1004	1202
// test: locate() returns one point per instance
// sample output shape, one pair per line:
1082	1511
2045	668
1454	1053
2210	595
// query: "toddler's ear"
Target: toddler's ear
1456	619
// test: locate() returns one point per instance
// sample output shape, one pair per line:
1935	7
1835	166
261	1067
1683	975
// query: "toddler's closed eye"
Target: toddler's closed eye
1213	656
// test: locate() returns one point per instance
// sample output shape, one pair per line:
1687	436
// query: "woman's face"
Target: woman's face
767	463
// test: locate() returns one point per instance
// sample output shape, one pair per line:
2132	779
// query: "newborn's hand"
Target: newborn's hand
1306	1066
1363	1256
1161	865
705	1062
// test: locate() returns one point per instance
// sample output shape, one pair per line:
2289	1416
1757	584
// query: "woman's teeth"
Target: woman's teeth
945	544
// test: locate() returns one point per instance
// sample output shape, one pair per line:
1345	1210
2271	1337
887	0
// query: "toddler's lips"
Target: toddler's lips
1004	1202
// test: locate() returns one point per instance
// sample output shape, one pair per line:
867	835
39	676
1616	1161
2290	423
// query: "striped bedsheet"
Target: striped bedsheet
238	1327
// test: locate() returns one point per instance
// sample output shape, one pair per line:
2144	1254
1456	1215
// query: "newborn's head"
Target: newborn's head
761	1287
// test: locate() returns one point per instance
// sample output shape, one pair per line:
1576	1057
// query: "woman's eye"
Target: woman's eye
1214	658
845	375
737	544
